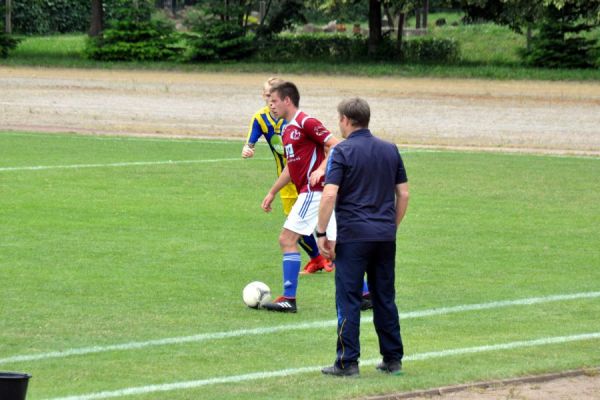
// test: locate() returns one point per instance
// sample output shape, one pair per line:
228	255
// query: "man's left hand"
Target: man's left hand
326	247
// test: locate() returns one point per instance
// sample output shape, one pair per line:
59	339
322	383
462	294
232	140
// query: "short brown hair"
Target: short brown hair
356	110
287	89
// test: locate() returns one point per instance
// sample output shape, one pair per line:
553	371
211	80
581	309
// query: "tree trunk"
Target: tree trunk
417	18
389	16
8	17
375	36
96	25
401	20
529	37
425	13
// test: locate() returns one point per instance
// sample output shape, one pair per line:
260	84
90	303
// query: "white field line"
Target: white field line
405	148
296	371
289	327
120	164
130	138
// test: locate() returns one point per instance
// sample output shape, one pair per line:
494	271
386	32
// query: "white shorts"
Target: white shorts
305	214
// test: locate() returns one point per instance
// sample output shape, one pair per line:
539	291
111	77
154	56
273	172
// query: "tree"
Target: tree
96	24
8	17
522	16
375	34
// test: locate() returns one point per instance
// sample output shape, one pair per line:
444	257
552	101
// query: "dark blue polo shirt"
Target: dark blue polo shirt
367	170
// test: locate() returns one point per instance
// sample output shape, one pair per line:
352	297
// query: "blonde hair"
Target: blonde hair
272	81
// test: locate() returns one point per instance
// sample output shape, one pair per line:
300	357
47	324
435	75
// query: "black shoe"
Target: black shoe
390	367
366	303
281	304
351	370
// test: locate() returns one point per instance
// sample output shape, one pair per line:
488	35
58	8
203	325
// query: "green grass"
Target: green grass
489	52
115	254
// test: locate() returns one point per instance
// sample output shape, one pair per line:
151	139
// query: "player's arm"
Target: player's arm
320	171
283	180
253	135
326	206
320	134
401	201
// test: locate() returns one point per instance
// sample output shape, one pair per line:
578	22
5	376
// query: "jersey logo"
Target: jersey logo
295	134
320	130
289	151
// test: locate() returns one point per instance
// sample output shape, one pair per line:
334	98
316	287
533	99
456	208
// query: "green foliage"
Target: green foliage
342	48
559	44
431	50
283	17
312	47
152	40
128	10
220	40
132	35
7	43
50	16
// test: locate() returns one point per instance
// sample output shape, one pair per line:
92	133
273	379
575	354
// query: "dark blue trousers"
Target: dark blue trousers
377	260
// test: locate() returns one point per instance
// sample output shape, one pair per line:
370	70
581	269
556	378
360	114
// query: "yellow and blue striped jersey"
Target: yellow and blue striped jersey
263	124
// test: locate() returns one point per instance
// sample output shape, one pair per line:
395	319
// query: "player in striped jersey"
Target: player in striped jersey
265	124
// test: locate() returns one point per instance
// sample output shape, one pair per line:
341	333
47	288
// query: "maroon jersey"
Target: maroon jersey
303	139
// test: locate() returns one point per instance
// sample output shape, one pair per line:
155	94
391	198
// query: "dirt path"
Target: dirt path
538	116
567	385
555	117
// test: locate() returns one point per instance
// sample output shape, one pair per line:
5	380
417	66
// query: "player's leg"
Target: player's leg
291	267
308	242
294	227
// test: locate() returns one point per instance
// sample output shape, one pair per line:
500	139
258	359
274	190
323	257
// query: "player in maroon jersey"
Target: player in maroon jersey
307	143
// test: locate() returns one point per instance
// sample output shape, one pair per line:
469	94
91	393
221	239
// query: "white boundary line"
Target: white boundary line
289	327
296	371
120	164
128	138
405	147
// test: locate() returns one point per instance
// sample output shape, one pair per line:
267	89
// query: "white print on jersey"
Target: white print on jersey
289	151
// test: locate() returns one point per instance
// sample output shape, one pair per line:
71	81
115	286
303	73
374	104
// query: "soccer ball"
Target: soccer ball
256	294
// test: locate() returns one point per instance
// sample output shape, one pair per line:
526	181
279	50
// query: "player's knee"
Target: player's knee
287	242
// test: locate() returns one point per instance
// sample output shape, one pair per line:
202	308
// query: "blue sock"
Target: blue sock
365	287
291	269
309	245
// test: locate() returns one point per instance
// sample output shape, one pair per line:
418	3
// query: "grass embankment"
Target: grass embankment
489	51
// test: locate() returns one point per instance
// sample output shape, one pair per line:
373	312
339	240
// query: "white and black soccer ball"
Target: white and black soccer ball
255	294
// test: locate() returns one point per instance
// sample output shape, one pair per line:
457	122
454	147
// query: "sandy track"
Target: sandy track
546	116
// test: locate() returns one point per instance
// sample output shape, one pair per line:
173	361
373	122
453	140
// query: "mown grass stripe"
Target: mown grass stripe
290	327
296	371
119	164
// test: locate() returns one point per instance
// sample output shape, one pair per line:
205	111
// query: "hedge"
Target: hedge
343	48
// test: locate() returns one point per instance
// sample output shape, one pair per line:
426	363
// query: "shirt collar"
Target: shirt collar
365	132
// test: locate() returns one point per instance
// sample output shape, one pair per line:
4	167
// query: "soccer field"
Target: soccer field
122	262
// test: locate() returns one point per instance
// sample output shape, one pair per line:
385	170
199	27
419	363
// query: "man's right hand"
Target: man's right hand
266	203
247	151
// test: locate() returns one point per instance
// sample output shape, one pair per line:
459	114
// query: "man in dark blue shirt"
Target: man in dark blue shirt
366	183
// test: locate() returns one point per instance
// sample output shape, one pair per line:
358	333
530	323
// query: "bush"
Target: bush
553	48
50	16
431	51
343	48
220	40
7	43
152	40
132	35
311	47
